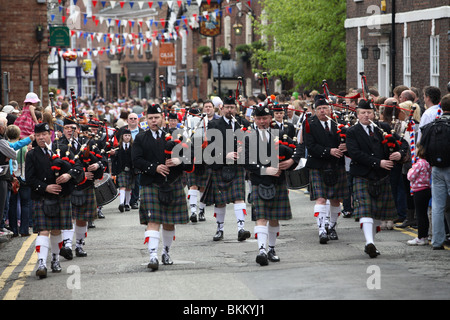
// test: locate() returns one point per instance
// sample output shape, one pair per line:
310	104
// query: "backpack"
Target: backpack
436	142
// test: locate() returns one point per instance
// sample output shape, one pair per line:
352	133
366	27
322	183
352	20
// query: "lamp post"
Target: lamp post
219	57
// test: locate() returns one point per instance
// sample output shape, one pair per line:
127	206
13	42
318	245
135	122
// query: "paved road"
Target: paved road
205	270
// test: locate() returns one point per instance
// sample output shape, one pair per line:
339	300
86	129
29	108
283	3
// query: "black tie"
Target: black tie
370	131
326	126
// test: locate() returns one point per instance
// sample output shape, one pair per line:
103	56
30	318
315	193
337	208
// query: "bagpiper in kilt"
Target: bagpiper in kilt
227	178
371	162
196	180
163	200
84	203
326	163
270	199
51	179
122	168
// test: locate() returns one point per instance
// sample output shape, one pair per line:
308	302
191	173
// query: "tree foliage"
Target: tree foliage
306	40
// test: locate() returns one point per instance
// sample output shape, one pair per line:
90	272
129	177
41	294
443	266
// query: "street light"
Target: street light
148	54
238	28
365	52
219	57
376	53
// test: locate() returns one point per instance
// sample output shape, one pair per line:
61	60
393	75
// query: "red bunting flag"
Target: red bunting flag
150	4
94	3
122	3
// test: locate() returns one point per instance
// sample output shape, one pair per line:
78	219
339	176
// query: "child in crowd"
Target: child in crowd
123	170
420	177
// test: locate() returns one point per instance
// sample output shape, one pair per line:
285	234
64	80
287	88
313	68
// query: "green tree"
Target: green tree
306	40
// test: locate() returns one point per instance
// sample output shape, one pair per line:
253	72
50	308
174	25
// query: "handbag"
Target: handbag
165	194
266	192
77	198
329	177
15	184
51	207
228	173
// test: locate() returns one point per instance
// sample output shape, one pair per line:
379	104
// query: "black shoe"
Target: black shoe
66	252
323	238
121	207
91	225
127	207
193	217
218	236
100	214
153	264
332	234
346	214
371	250
41	271
243	234
79	252
134	206
201	215
407	223
272	256
439	248
262	259
56	266
166	260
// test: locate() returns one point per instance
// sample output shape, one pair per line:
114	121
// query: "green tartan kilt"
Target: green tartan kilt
88	211
318	188
196	179
381	208
222	192
278	208
125	180
43	223
151	210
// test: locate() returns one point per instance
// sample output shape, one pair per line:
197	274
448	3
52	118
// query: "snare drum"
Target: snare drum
297	179
105	190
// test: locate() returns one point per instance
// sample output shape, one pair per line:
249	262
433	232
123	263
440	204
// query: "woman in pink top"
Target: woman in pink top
27	119
420	177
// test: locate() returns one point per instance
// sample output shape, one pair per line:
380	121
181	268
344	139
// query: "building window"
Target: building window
360	61
227	32
407	62
434	61
184	49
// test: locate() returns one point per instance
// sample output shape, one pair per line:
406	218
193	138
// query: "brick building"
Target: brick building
411	38
23	50
122	39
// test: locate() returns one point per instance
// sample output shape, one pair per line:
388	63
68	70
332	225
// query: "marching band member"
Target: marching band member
160	179
122	168
50	193
280	123
269	190
370	166
325	160
227	179
84	203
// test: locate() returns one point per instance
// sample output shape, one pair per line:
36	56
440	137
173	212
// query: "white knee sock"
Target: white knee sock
168	236
273	233
261	233
122	196
152	240
201	205
334	215
367	227
56	244
127	196
321	212
42	245
80	235
192	196
220	217
240	212
67	236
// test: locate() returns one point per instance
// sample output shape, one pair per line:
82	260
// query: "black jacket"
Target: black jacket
256	161
367	152
39	173
319	143
147	153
